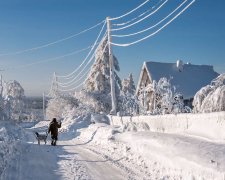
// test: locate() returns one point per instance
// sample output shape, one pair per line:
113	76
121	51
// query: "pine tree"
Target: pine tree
128	85
98	81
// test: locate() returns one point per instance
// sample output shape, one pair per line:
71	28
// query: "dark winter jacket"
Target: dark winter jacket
53	128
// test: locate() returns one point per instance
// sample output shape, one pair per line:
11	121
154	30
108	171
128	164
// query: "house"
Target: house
186	78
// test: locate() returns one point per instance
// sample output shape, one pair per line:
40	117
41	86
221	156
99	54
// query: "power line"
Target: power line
155	25
72	81
68	76
154	33
127	22
48	60
75	78
52	43
115	18
76	87
142	19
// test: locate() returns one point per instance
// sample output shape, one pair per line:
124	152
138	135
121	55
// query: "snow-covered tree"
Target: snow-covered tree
211	98
128	85
2	107
128	103
60	105
160	98
14	99
97	84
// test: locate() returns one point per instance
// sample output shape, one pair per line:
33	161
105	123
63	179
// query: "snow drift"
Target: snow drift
210	125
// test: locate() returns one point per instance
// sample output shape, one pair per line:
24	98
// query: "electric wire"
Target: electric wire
119	17
48	60
155	25
69	76
81	66
52	43
127	22
74	88
142	19
70	83
154	33
77	80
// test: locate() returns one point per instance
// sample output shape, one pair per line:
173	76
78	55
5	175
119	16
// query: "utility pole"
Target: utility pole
44	105
111	63
54	85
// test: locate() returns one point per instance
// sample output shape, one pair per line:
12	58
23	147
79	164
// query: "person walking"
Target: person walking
53	128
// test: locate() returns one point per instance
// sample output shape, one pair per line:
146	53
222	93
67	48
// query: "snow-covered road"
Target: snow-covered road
67	160
99	151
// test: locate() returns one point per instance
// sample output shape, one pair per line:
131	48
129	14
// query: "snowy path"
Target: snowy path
99	153
68	160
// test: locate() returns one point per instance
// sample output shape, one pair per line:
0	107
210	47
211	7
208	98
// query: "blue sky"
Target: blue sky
197	36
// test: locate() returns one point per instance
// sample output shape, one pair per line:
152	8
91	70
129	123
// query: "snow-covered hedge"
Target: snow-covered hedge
208	125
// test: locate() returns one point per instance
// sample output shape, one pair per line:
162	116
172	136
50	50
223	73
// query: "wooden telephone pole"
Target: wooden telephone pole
111	63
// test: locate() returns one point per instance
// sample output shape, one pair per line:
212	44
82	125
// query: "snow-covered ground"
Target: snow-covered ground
101	151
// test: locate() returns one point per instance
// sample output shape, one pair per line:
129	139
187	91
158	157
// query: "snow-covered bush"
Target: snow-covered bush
94	102
100	118
128	105
211	98
59	106
133	126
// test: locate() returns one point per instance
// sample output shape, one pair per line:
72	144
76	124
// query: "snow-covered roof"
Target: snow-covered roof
187	78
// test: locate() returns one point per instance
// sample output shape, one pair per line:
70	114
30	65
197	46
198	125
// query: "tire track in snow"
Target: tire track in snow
95	165
71	168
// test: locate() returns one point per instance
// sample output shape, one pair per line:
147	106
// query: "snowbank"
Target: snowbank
157	155
177	156
10	135
207	125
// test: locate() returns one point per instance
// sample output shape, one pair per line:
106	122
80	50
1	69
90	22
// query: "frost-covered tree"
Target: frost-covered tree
211	98
97	84
128	85
2	106
163	95
160	98
60	105
91	102
128	103
14	99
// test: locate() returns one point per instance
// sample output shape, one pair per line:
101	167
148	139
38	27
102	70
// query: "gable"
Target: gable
144	79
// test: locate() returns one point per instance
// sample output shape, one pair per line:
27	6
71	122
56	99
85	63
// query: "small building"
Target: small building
186	78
